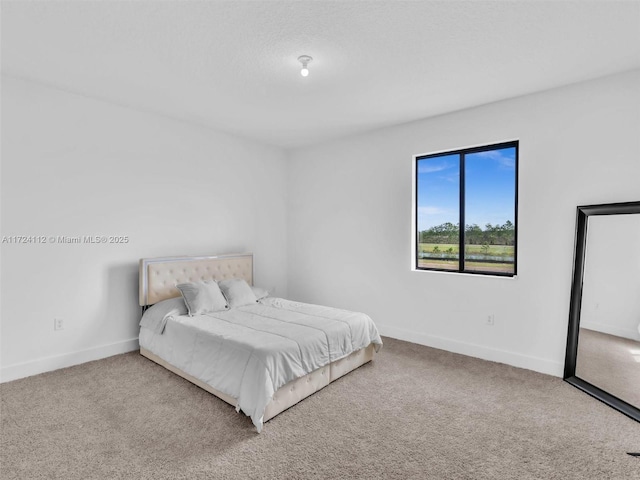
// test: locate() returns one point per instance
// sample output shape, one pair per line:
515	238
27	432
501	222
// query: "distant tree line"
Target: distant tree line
450	233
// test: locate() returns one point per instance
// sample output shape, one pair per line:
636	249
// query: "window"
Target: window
474	187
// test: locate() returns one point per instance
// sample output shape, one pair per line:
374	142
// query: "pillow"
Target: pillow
260	293
202	297
238	292
155	317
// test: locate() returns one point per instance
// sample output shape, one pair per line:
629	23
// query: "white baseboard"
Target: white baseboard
47	364
478	351
612	330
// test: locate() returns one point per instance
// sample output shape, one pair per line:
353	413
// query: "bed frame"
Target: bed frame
158	280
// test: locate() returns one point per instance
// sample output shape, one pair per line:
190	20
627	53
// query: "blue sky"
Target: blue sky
489	185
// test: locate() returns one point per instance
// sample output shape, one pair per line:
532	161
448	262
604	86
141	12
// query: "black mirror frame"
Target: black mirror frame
583	213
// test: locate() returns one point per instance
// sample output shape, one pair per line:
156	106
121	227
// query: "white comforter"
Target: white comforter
249	352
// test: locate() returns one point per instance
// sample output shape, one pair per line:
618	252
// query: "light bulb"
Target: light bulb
304	60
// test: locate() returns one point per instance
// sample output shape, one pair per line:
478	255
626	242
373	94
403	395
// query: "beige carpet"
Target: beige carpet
611	363
415	413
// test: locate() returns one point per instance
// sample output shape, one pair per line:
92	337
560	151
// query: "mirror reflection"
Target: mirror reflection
609	339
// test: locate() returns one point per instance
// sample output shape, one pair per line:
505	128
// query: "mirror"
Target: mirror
603	343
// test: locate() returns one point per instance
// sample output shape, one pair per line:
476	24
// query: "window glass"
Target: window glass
477	188
438	212
490	211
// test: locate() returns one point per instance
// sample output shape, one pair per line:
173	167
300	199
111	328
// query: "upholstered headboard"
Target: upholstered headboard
159	276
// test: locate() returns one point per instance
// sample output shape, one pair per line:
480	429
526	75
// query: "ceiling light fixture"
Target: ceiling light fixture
304	60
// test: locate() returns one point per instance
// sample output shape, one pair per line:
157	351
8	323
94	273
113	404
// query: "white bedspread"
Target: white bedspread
249	352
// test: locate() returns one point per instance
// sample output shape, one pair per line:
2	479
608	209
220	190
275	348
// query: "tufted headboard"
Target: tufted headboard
159	276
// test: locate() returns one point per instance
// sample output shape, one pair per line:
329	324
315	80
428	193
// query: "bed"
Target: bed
262	357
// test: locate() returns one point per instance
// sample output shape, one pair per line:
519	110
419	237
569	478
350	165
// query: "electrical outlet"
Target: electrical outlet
58	324
490	319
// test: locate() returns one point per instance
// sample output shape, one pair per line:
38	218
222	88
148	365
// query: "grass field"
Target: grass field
493	250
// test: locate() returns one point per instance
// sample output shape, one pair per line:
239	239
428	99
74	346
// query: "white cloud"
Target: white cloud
507	162
428	210
453	178
499	156
424	167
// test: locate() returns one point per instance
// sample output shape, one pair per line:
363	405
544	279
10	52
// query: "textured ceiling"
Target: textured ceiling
231	65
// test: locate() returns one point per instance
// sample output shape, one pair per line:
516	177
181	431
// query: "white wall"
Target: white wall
611	283
349	220
77	166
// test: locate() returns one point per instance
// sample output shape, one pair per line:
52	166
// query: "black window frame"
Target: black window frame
462	224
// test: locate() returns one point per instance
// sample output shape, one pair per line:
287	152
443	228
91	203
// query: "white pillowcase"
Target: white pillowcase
155	317
202	297
260	293
238	292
